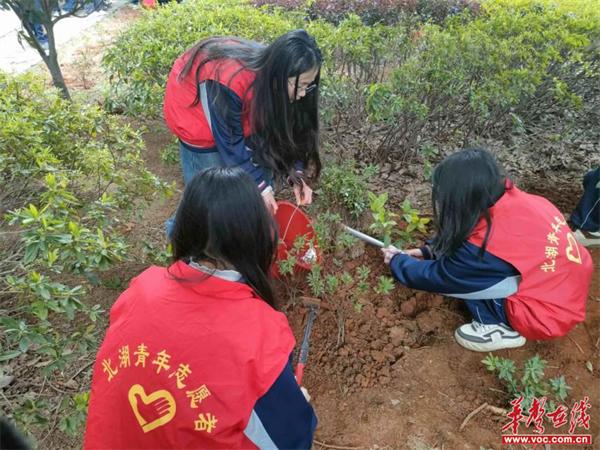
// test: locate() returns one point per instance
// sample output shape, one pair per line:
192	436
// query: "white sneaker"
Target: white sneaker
487	338
587	238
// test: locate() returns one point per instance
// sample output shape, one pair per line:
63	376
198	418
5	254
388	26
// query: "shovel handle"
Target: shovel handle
299	373
303	355
364	237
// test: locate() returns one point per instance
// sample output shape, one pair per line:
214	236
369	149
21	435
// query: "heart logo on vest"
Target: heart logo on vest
151	410
573	246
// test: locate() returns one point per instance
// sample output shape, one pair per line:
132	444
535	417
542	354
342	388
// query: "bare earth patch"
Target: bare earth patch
396	379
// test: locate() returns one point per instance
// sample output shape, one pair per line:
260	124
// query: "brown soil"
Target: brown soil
399	380
389	374
82	67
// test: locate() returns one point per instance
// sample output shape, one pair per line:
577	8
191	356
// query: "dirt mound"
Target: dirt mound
389	373
359	343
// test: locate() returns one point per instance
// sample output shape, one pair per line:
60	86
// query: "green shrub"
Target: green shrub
355	55
374	11
437	11
386	227
514	62
412	223
140	60
347	186
327	226
383	220
68	172
335	11
359	52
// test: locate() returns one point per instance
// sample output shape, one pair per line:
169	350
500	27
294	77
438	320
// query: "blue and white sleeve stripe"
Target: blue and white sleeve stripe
462	275
282	418
228	132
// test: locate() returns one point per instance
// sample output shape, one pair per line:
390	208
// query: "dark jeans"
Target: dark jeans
38	30
586	215
193	162
488	312
89	8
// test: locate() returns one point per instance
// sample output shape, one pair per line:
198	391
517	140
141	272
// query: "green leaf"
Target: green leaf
559	387
31	253
40	310
6	356
534	370
490	362
33	211
506	369
44	292
589	366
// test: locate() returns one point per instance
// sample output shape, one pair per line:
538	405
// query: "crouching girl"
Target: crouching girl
195	355
508	254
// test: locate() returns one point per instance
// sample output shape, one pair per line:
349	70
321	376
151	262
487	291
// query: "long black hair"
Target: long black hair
286	131
465	185
222	219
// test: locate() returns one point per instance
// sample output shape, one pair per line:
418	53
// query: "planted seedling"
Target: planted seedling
315	281
385	285
531	383
414	222
383	220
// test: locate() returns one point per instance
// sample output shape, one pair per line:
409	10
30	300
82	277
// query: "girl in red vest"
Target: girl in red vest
509	255
195	355
233	102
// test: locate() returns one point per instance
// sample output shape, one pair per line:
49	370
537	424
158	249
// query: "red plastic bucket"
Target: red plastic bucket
294	223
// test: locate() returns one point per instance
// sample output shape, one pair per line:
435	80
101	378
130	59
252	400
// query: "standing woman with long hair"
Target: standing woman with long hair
508	254
195	355
234	102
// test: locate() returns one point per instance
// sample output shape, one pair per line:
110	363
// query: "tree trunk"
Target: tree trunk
50	59
52	63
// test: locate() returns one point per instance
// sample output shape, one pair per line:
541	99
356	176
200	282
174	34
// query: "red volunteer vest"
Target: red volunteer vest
531	234
183	363
187	121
